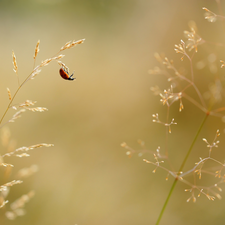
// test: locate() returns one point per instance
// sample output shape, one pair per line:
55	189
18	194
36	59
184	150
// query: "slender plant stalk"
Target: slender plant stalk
10	104
11	101
180	170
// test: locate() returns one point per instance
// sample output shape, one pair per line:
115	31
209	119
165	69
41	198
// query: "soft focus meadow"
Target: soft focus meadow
86	177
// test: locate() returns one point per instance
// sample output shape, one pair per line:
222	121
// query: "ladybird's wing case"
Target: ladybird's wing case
63	74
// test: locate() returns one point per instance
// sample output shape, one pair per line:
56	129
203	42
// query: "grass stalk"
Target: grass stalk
180	170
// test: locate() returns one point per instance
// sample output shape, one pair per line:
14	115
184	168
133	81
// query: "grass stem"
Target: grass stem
180	170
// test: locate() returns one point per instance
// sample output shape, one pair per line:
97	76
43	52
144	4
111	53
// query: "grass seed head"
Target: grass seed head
15	67
71	44
36	49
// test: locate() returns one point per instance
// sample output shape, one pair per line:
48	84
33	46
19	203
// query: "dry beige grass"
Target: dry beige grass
16	208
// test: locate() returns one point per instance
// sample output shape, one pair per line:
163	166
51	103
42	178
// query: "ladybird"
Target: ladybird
65	75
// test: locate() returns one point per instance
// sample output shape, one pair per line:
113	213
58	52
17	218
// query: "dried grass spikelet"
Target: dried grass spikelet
27	103
58	57
16	115
156	120
63	65
166	96
193	39
180	48
3	202
209	15
22	155
36	49
6	165
3	195
223	63
37	109
10	184
35	73
9	94
25	149
15	67
47	61
71	44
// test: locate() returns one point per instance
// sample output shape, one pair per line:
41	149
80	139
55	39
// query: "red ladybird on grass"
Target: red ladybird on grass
65	74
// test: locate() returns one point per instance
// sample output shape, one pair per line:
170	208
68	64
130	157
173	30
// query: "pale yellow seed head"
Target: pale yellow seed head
71	44
36	49
9	94
15	67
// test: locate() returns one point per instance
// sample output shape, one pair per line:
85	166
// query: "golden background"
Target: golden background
86	178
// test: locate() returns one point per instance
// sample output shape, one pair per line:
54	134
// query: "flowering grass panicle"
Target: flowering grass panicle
183	87
16	208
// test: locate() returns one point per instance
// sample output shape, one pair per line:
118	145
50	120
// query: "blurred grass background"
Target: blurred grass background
86	177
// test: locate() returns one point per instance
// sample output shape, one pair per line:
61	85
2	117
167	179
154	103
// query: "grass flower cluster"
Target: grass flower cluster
183	87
